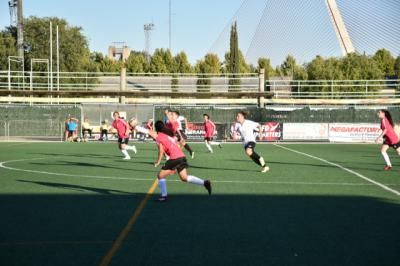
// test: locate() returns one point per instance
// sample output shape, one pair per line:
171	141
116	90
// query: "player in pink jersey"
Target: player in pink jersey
390	138
175	123
176	163
123	130
209	131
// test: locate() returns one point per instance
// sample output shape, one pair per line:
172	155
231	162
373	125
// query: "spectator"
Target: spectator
72	128
104	130
66	133
86	128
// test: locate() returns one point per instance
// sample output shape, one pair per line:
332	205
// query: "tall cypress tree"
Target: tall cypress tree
234	61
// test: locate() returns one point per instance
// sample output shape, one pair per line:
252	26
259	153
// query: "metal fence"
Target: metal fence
30	130
346	89
133	81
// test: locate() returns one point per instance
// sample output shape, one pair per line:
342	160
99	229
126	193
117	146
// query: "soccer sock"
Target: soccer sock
195	180
256	158
262	162
208	146
386	157
214	143
188	148
132	148
162	184
125	152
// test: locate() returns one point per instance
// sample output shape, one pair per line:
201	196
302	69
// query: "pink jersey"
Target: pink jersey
120	125
171	147
209	129
390	135
173	125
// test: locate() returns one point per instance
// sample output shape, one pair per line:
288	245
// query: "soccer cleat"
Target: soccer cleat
207	185
126	158
162	199
220	146
265	169
192	154
387	168
134	149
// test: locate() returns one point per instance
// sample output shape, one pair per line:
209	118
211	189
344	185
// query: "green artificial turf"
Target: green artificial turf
66	203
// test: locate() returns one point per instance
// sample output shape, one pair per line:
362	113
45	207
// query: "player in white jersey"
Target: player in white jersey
181	132
246	129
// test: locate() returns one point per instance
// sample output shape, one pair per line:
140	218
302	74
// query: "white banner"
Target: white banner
346	132
305	131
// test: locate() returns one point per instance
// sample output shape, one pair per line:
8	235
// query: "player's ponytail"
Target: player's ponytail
388	116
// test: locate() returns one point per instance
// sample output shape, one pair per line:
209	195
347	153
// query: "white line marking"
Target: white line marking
2	165
385	187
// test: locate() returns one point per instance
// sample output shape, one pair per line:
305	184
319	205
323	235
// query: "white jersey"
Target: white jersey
180	120
246	130
142	130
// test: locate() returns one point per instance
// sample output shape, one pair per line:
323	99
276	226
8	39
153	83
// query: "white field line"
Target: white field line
2	165
383	186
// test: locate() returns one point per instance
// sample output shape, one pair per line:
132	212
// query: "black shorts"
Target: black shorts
183	135
394	146
123	141
71	132
176	164
208	138
250	145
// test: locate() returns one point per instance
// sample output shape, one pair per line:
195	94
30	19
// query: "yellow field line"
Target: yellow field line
128	227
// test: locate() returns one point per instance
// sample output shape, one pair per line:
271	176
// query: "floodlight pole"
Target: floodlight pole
58	62
170	25
51	56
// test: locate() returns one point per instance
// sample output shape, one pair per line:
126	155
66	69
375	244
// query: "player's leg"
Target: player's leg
385	156
185	145
122	147
185	177
209	148
162	183
255	157
215	143
129	148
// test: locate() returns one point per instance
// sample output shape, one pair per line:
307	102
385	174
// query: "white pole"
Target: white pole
58	63
9	74
51	56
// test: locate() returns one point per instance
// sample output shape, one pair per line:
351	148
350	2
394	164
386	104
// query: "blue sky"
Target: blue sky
267	28
196	24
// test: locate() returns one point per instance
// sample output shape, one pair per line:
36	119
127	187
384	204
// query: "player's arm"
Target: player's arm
160	155
257	128
128	128
383	133
213	127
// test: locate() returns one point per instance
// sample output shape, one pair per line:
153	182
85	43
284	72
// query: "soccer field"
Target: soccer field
81	204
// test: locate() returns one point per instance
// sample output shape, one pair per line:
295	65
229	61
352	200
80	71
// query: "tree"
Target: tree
74	48
233	59
288	67
181	63
209	65
243	66
397	67
265	63
162	61
136	62
385	62
7	48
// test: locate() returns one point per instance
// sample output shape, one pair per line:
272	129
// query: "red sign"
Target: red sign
270	131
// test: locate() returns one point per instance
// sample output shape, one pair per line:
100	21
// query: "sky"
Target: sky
195	26
267	28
